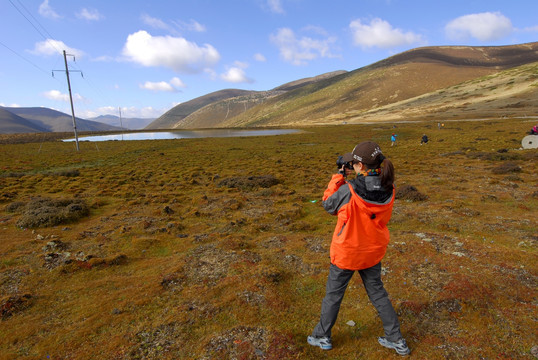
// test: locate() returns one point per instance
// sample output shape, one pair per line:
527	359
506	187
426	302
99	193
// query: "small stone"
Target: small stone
39	237
351	323
116	311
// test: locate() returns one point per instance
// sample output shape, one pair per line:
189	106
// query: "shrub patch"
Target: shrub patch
409	192
44	212
250	182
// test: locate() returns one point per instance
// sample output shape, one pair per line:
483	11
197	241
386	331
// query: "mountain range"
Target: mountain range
126	123
443	82
39	119
439	82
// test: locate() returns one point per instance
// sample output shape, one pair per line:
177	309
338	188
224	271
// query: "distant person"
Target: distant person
534	130
363	206
424	139
393	139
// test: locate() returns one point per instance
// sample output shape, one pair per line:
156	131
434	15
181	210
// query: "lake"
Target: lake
185	134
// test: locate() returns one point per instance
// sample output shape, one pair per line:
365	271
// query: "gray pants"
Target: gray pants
334	293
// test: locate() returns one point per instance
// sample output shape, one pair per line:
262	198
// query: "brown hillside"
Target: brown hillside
181	111
488	56
302	82
220	111
391	81
506	94
213	109
13	124
45	119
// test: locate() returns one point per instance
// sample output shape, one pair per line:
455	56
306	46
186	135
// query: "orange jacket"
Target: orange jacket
361	235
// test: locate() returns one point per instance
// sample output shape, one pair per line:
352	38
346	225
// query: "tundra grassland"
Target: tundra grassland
219	247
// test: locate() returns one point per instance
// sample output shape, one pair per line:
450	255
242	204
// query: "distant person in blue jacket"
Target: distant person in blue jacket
393	139
424	139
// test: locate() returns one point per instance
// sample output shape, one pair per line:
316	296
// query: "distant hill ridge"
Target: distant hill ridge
125	123
11	123
488	56
224	104
357	95
40	119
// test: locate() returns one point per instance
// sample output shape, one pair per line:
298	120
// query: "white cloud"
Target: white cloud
259	57
172	52
211	73
105	110
46	11
155	23
236	75
193	25
240	64
145	112
486	26
379	33
51	47
163	85
126	112
58	96
89	14
176	82
275	6
158	86
299	51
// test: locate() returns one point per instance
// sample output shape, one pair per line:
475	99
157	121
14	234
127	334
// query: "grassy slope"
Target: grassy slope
11	124
364	93
218	111
175	116
212	109
508	93
236	273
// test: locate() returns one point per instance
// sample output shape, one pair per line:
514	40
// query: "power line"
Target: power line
22	57
35	27
31	23
37	21
50	37
50	42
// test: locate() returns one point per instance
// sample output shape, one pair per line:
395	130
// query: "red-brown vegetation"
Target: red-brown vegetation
189	253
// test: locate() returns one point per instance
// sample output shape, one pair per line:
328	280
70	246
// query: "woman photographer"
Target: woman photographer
364	207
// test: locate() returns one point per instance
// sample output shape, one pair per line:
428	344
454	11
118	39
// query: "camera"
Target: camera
340	162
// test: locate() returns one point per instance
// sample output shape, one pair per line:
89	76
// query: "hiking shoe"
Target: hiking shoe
323	342
400	346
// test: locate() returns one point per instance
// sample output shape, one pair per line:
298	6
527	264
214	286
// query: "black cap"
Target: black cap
366	152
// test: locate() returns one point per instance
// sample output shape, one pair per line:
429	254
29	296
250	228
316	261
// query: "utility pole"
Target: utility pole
121	124
70	97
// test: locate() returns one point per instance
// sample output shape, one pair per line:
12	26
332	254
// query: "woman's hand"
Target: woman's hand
345	171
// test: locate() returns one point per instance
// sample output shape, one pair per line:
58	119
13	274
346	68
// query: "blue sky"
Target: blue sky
148	56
